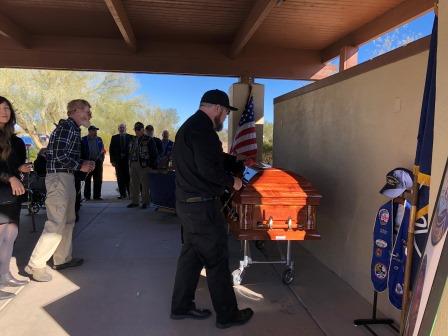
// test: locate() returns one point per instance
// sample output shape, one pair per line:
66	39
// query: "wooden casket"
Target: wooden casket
274	205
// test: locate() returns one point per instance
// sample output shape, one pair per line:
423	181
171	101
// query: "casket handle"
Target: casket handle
289	223
270	222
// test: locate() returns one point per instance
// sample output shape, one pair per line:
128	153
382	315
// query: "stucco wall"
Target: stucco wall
344	138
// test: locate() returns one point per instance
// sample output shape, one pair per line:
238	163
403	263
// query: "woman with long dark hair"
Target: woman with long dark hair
12	163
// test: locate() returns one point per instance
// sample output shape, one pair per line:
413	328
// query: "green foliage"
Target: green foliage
394	39
40	98
268	142
224	138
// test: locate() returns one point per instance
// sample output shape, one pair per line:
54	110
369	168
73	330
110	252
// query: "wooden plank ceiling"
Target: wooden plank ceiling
262	38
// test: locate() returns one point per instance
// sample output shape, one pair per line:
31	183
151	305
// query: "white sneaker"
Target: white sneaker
38	274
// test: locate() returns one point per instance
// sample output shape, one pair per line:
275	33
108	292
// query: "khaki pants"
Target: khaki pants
56	238
139	177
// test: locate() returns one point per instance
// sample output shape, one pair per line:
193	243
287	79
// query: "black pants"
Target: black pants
97	175
205	245
122	171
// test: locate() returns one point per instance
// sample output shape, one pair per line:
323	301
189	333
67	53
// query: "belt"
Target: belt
60	170
200	199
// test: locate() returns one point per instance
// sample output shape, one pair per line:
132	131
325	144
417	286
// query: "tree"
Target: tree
161	119
394	39
268	142
40	98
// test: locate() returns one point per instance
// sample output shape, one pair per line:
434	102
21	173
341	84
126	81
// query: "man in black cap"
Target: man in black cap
92	148
200	181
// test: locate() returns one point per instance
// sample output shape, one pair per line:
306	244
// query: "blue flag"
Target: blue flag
423	156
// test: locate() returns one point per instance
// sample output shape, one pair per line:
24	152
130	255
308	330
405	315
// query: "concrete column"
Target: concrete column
238	94
348	58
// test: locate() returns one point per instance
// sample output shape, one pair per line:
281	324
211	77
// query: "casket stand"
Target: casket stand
273	204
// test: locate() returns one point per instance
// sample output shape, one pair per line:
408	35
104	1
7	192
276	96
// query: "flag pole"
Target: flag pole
409	252
411	229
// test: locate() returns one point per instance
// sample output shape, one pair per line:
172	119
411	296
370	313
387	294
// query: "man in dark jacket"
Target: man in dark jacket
149	131
167	149
200	181
119	158
143	158
92	148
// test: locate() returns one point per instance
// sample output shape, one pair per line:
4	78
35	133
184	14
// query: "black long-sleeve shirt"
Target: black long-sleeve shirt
10	167
198	159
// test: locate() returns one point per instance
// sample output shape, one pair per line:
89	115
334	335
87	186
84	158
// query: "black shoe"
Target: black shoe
86	198
132	205
195	314
144	206
75	262
240	317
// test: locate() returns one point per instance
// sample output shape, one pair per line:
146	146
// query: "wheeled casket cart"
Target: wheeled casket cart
274	204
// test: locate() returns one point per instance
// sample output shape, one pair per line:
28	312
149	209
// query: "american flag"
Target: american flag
245	141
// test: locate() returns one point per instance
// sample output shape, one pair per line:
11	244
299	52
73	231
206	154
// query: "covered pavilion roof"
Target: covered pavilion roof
291	39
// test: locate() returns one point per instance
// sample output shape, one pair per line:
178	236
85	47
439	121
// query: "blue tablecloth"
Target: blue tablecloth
162	188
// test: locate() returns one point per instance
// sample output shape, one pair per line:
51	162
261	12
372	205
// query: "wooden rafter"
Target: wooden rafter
12	31
399	15
62	52
120	16
256	17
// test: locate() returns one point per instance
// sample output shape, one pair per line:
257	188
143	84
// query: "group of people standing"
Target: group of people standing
200	181
134	157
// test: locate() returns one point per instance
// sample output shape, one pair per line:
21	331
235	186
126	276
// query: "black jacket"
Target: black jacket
115	152
10	167
158	145
144	151
199	160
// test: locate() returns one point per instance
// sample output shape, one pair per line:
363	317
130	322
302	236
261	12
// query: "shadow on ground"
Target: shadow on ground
124	286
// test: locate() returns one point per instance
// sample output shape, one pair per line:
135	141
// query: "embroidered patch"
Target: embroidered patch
378	252
381	243
383	215
380	271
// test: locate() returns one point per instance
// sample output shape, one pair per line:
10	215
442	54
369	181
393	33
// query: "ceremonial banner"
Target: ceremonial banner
430	262
388	256
423	157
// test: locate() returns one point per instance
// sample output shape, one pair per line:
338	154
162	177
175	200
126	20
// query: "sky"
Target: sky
184	92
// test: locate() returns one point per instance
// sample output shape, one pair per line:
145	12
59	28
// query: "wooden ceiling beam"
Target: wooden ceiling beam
76	53
256	17
120	16
397	16
12	31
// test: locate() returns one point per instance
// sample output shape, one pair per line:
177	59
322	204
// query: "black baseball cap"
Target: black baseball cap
93	128
138	125
217	97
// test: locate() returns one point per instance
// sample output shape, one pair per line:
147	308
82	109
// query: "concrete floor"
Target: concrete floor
124	286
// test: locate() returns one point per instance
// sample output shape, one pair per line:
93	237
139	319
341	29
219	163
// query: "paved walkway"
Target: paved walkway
124	286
